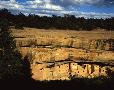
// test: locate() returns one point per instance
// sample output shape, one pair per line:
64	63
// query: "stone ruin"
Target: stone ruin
67	58
64	64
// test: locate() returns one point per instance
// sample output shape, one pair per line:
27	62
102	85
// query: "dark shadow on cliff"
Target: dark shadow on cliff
15	73
99	83
26	82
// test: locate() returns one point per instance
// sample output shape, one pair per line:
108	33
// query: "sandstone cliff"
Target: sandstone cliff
58	55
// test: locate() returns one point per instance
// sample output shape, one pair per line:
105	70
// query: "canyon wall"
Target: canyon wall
65	63
57	55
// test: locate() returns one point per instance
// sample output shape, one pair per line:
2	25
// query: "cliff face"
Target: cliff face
58	55
66	71
79	43
65	63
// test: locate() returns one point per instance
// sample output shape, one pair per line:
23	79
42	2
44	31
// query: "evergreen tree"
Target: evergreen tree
10	59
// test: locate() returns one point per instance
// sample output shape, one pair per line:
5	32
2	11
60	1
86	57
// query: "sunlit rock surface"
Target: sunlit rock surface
63	55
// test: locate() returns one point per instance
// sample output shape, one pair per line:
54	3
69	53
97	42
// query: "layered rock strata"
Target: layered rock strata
66	56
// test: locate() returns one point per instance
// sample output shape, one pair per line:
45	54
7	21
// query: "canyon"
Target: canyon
66	54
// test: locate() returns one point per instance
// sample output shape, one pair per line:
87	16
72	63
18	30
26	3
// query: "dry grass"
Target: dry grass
42	33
